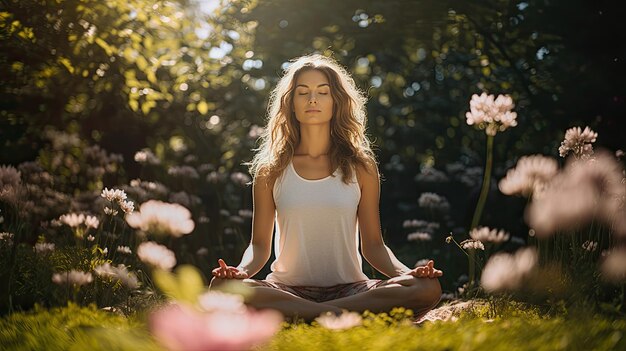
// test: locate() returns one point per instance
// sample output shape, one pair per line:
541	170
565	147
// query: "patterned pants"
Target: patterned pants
326	293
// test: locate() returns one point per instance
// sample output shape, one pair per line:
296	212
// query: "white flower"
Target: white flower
578	142
203	251
614	265
124	250
431	175
346	320
72	277
73	220
419	236
530	174
216	301
590	245
433	201
127	206
43	248
245	213
113	195
7	237
90	238
92	222
156	255
507	271
161	218
472	244
110	211
485	234
183	171
584	189
490	113
146	156
9	177
415	223
119	272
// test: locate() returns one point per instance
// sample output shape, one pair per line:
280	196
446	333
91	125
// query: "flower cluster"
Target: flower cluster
578	142
490	113
44	248
433	201
583	190
119	272
419	236
146	156
75	220
117	196
161	218
485	234
472	244
505	272
156	255
72	277
530	175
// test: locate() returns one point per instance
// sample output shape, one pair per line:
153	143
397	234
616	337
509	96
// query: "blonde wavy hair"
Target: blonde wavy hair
349	148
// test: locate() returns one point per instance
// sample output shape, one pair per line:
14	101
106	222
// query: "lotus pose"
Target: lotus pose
316	179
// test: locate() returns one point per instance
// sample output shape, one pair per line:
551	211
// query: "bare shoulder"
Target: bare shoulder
262	178
367	175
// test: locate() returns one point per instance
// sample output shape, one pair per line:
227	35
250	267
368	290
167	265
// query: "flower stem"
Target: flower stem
484	190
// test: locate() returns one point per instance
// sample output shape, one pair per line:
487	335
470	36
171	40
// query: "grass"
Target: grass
519	327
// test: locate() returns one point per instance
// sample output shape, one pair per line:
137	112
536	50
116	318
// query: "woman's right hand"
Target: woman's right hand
228	272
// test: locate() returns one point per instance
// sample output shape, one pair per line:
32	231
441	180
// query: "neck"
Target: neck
314	140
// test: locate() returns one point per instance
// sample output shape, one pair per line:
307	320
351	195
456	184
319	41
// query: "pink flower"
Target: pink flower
161	218
530	174
178	327
578	142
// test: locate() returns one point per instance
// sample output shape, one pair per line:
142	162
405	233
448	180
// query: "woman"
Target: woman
315	175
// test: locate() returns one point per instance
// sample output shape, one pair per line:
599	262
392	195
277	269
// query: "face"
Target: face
312	101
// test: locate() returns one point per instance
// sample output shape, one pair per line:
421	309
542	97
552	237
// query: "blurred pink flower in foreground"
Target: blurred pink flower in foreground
161	218
531	174
491	113
583	190
178	327
507	271
578	141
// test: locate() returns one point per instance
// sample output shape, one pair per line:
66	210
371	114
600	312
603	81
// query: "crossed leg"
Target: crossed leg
288	304
418	294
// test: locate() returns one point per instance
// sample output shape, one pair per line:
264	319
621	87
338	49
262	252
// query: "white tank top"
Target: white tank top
316	241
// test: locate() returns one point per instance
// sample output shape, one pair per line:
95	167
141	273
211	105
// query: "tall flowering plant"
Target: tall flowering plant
491	114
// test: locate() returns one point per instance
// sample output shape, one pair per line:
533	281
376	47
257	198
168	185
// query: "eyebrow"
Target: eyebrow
306	86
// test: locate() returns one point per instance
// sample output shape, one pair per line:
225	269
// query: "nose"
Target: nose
312	99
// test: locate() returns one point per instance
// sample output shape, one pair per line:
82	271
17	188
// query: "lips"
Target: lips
313	110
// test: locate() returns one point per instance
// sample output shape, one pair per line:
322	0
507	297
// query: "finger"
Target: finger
431	272
431	264
222	263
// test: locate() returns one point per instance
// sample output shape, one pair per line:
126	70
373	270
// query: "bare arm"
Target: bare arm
259	250
264	209
372	245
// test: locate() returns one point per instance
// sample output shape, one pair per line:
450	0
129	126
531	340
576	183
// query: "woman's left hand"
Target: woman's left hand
427	271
